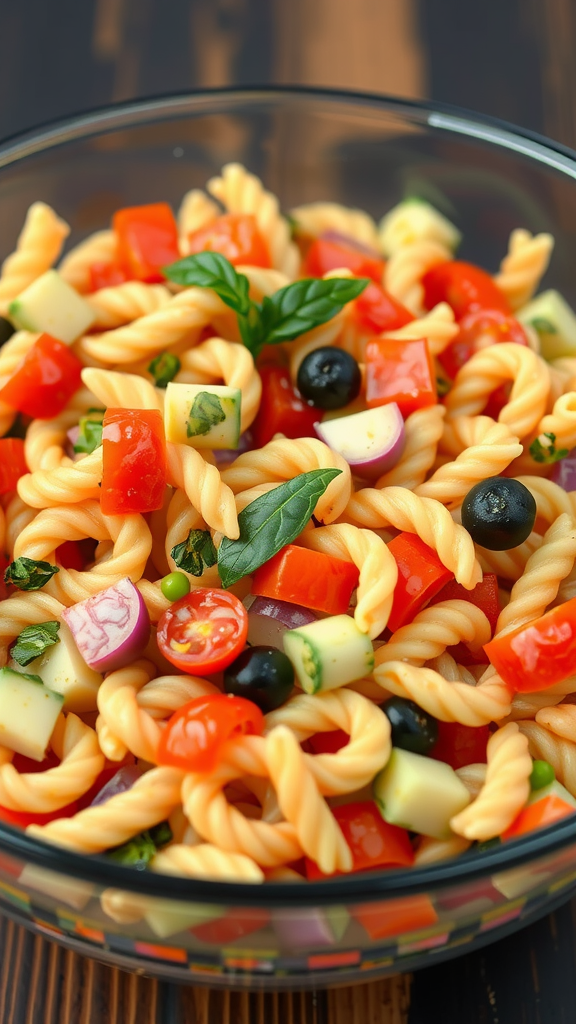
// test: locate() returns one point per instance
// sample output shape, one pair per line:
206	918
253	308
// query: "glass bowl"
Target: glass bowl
306	145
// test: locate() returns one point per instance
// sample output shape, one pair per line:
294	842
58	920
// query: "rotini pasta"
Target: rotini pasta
38	247
316	218
407	266
217	359
523	266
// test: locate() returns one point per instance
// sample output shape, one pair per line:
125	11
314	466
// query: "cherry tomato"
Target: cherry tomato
45	381
459	745
479	330
235	236
326	254
134	461
464	287
194	735
378	311
106	275
203	632
282	409
12	463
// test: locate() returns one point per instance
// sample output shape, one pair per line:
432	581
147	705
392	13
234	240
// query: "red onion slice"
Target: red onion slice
564	472
352	243
269	619
111	628
124	779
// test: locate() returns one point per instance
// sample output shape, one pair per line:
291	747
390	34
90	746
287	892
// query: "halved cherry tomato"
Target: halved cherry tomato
378	311
236	236
396	917
45	380
327	254
459	745
194	735
12	463
203	632
420	576
328	742
479	330
372	841
133	461
106	275
282	409
147	240
539	654
538	815
309	578
464	286
401	372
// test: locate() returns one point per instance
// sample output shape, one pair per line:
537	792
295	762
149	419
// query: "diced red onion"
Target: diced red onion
342	239
269	619
224	456
371	441
111	628
564	472
124	779
302	927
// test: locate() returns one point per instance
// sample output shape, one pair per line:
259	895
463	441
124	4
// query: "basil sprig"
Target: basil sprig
33	641
270	522
139	851
286	315
164	368
27	574
206	412
547	453
196	553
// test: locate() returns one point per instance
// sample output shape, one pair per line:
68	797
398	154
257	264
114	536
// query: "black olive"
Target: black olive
499	513
412	728
263	675
6	330
329	378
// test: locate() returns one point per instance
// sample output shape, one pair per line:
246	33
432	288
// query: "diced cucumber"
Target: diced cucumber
51	306
60	888
554	789
167	917
554	321
63	670
329	653
28	713
415	220
419	793
203	415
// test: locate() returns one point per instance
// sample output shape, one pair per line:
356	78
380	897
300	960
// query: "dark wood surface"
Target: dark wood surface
509	58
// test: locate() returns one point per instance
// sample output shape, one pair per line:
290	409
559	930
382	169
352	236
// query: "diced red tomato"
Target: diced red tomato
376	310
396	917
478	330
236	236
538	815
420	576
27	766
106	275
69	555
328	742
372	841
134	461
12	463
45	380
194	735
484	596
21	819
401	372
325	255
539	654
237	923
147	240
282	409
308	578
203	632
497	400
464	286
459	745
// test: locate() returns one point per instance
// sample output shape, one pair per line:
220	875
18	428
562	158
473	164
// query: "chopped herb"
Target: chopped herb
139	851
26	574
543	326
442	386
196	553
90	434
164	368
544	450
34	640
206	412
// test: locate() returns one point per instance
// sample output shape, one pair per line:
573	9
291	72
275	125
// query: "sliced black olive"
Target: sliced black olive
329	378
6	330
499	513
412	728
263	675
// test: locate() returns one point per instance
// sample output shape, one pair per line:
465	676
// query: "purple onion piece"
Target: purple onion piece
564	472
269	619
225	456
302	928
371	441
124	779
341	239
71	439
111	628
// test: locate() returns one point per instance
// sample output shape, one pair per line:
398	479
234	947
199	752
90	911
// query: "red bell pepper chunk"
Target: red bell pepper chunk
420	576
147	240
134	461
373	842
45	381
325	255
539	654
396	917
465	287
401	372
328	742
378	311
12	463
478	330
282	410
540	814
459	745
236	924
484	596
235	236
308	578
106	275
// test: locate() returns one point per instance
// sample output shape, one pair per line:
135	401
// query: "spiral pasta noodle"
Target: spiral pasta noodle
561	422
559	719
438	327
21	610
206	861
433	630
316	218
559	752
14	350
196	211
423	430
65	485
216	359
126	302
99	247
450	702
206	488
122	390
524	265
38	247
406	268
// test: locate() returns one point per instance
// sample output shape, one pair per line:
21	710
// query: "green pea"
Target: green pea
542	775
175	585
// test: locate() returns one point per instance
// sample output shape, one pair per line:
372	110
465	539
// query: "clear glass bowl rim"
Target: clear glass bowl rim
356	888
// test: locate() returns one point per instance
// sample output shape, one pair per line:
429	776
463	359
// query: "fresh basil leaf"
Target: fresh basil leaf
164	368
547	453
26	574
90	435
299	307
33	641
206	412
139	851
212	270
270	522
442	386
196	553
543	326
